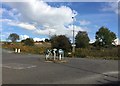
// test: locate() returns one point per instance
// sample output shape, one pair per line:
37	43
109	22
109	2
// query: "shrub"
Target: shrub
28	41
61	42
104	53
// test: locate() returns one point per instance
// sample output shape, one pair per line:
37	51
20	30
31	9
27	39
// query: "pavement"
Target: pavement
33	69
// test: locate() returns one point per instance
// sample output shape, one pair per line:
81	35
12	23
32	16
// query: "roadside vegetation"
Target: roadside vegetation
36	49
104	46
103	53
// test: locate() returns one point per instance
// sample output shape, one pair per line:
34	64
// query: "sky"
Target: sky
39	20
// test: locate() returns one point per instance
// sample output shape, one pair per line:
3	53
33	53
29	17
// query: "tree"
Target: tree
47	40
82	39
104	37
13	37
61	42
28	41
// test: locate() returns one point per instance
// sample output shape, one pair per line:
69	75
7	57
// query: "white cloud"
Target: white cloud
23	25
12	13
41	18
117	41
22	37
1	29
45	31
5	35
61	30
84	22
1	11
18	24
39	39
92	41
111	6
76	28
5	20
42	14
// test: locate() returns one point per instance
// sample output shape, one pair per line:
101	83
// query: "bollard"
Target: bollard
54	51
15	50
18	50
54	55
48	53
46	57
60	56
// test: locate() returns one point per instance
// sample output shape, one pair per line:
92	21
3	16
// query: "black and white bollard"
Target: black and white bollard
15	50
18	50
46	57
61	54
54	52
60	57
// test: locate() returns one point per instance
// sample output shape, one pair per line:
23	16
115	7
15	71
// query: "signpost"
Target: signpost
54	52
61	54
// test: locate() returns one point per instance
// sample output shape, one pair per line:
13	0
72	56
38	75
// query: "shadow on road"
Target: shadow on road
103	83
110	83
86	70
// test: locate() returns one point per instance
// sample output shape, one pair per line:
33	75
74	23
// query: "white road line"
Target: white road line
31	66
18	66
7	66
111	72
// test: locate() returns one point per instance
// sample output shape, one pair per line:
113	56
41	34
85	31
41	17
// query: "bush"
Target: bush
104	53
82	39
61	42
28	41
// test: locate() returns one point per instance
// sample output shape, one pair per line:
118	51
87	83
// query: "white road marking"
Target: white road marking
111	72
7	66
32	66
18	66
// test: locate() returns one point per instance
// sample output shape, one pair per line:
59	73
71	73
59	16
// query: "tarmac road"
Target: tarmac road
32	69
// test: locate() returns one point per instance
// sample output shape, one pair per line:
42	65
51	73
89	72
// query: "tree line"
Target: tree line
104	38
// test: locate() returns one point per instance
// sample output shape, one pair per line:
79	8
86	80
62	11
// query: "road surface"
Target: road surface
32	69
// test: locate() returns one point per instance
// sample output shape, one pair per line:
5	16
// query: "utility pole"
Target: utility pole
73	45
49	34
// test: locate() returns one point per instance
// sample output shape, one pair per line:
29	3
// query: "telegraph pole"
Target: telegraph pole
49	34
73	45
